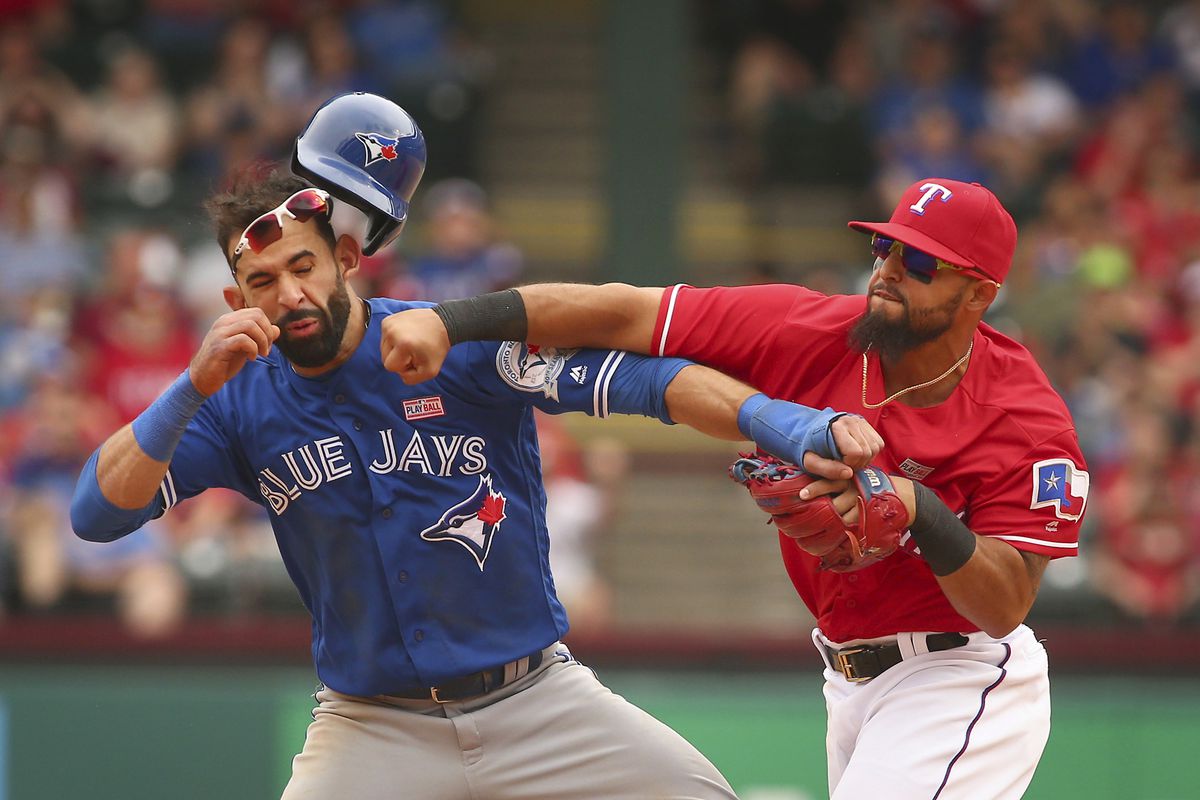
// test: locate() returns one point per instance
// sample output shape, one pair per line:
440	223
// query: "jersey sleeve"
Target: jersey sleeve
732	329
1038	504
205	459
556	380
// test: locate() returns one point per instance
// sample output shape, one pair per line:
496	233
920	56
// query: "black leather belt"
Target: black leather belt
476	683
865	662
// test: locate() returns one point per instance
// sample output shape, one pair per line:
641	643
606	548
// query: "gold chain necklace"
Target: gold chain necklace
903	392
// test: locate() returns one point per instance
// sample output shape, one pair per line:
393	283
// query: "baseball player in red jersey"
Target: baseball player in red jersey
935	688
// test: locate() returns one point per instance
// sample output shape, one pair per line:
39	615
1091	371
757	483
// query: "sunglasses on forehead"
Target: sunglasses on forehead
268	229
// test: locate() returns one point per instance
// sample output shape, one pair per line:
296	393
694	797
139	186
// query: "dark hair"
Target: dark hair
251	193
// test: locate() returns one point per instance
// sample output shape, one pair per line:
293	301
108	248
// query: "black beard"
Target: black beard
320	349
892	339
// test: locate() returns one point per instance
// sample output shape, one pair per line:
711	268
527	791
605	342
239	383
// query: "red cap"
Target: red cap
962	223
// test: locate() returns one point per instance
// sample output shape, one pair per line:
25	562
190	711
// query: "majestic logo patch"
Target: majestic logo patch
532	368
423	407
378	147
473	523
579	373
914	470
1059	483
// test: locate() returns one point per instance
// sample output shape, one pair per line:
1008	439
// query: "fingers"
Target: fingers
858	442
820	487
234	339
405	364
826	467
251	322
414	344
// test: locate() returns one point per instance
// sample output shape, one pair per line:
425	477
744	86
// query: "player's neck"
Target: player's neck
925	363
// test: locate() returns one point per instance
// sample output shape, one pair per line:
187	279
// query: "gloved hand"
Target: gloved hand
814	524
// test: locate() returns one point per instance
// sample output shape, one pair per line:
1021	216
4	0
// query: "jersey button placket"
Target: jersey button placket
386	513
403	576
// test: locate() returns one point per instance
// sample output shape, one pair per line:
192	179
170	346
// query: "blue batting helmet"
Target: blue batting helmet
366	151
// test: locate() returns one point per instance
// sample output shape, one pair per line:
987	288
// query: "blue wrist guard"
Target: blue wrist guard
788	430
159	428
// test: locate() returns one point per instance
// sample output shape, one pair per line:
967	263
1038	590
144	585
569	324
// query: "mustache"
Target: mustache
883	290
298	315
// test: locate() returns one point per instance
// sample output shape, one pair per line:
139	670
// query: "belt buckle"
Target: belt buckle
433	694
846	668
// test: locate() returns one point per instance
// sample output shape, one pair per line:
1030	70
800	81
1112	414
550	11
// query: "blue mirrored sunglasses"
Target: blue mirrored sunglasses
920	265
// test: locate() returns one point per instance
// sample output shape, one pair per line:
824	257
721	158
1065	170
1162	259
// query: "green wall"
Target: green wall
223	732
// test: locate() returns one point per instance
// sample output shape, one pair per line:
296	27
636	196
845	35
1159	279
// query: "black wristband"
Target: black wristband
495	317
946	543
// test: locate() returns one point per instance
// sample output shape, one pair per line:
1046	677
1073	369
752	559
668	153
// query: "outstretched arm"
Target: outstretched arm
614	316
714	404
414	345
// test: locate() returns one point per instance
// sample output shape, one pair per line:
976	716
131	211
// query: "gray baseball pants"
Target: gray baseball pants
557	733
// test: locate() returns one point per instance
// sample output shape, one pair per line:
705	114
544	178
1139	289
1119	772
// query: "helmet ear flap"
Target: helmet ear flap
347	220
381	232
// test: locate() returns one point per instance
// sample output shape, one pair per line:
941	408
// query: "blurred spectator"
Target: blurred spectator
1147	559
240	114
795	101
134	337
25	73
129	129
333	64
33	343
1114	53
1180	28
937	145
464	257
1031	120
429	64
39	244
930	81
57	570
817	133
581	485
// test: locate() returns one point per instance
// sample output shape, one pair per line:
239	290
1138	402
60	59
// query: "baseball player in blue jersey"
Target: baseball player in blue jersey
412	519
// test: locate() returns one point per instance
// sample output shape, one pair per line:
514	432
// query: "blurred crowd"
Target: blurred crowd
116	118
1084	117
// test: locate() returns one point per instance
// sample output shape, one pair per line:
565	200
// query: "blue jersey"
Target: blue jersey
411	518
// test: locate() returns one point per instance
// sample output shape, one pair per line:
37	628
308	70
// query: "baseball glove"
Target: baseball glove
814	524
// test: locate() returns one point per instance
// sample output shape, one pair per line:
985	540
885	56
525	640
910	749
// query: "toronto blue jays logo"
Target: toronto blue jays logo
473	523
533	368
1060	484
378	147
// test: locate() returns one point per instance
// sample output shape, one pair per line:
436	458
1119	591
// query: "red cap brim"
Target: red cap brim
911	236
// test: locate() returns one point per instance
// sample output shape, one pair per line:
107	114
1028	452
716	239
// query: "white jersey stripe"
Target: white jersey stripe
1042	542
597	386
607	378
662	343
167	487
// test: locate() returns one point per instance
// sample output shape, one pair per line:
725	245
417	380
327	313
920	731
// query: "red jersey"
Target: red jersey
1001	451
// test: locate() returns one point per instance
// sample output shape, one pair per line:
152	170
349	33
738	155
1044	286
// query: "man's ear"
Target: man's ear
982	294
348	254
234	298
